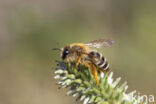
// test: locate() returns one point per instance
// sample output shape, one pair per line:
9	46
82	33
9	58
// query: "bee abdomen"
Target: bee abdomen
105	67
99	60
94	54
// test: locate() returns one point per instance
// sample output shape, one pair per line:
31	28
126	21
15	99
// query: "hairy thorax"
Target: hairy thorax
77	50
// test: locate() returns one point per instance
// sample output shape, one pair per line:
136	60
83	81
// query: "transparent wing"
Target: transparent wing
99	43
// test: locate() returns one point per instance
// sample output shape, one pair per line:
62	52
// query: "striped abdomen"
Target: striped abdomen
99	60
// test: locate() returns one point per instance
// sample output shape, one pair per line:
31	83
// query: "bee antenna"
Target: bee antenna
56	49
56	42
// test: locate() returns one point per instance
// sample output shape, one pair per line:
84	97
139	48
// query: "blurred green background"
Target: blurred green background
30	29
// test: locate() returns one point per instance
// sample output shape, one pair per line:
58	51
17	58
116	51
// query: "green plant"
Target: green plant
82	85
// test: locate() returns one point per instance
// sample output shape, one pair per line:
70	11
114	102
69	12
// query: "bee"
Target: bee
81	53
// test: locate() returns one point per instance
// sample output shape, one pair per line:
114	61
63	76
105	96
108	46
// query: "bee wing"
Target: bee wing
99	43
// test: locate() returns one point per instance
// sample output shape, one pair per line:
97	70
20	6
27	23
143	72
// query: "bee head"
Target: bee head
65	52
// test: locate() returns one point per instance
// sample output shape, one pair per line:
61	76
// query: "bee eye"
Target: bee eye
67	51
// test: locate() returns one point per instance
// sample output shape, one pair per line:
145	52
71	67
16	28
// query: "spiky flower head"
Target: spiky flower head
82	85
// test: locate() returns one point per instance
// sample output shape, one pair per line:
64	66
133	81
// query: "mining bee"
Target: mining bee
80	53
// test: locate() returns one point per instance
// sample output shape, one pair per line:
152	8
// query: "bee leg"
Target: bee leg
78	61
86	64
105	71
94	72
